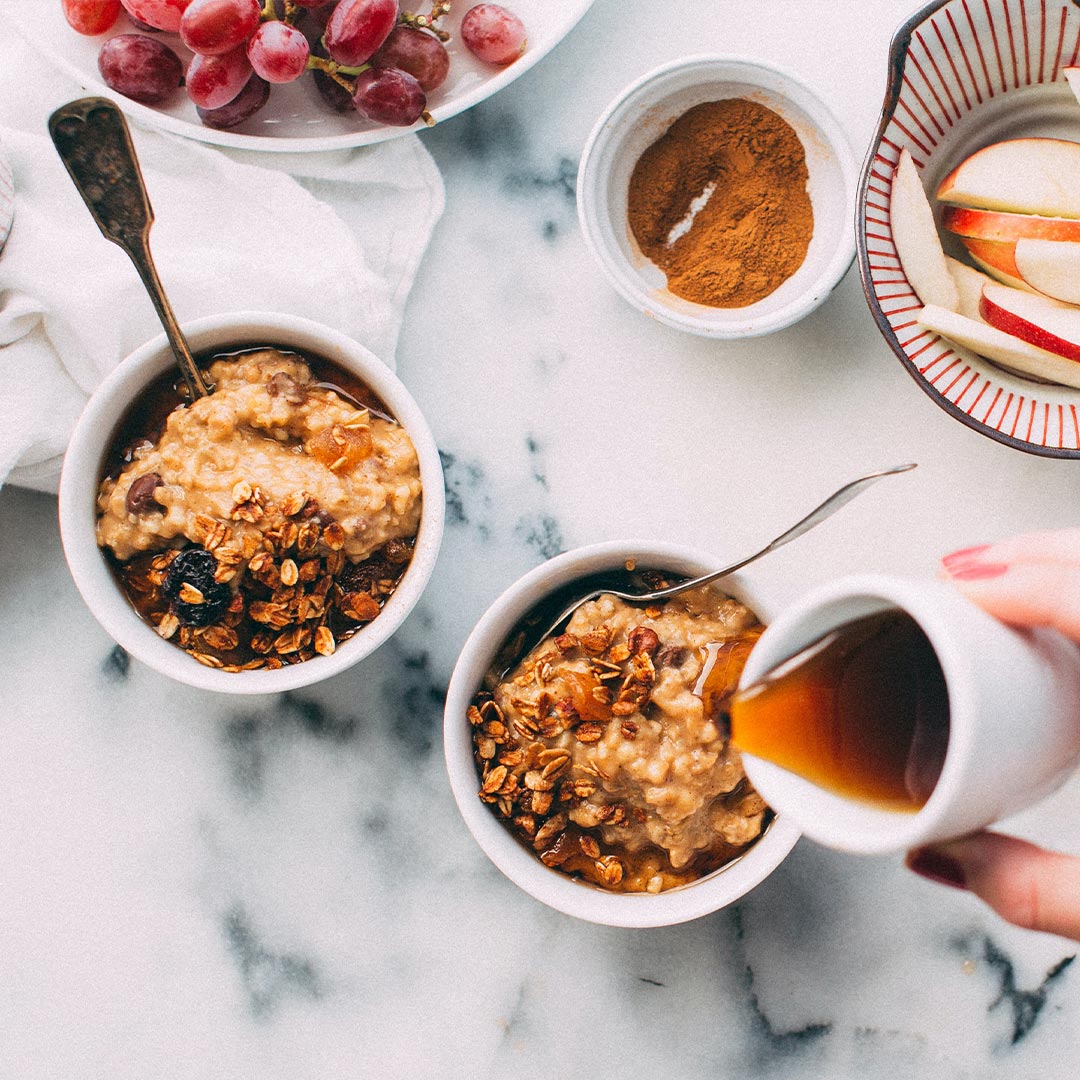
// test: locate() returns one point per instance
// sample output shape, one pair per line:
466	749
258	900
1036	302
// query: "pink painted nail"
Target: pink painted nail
936	866
964	555
976	571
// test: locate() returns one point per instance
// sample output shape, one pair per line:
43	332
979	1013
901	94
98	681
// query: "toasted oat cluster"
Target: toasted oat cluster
265	523
606	749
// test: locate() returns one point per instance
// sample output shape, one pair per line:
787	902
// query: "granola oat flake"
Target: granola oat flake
606	749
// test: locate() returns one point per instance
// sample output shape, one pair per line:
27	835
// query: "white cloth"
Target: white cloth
336	237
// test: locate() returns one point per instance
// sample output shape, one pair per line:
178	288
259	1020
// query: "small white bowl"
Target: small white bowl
82	472
640	115
710	893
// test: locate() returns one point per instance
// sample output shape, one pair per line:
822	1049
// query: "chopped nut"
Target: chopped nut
642	639
361	607
595	642
629	729
589	732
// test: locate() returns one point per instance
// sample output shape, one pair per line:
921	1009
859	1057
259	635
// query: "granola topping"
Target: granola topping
603	754
267	522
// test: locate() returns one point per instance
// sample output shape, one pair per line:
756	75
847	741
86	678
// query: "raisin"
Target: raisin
195	567
140	495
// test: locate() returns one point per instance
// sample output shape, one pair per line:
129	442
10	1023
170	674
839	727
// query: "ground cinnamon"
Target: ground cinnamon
719	203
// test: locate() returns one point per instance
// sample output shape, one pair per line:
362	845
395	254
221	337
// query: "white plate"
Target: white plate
296	117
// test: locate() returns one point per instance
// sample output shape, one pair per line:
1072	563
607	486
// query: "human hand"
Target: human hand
1029	580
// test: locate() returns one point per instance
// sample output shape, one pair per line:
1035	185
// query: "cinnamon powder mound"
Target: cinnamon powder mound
748	166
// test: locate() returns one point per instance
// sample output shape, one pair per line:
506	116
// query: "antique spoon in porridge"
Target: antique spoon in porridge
94	143
534	628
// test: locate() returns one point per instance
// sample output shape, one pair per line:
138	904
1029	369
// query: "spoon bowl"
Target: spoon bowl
93	141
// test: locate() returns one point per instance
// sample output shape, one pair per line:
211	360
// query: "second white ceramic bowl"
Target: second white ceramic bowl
640	115
82	473
553	888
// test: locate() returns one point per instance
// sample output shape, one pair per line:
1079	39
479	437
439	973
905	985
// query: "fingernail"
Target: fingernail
976	571
935	865
964	555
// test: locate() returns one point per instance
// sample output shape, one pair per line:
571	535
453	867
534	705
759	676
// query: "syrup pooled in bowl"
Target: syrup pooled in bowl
862	712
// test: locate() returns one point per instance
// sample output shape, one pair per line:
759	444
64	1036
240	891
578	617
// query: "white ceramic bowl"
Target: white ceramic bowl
82	471
553	888
640	115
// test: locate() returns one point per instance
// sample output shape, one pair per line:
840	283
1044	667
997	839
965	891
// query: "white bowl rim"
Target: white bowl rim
709	894
833	134
81	471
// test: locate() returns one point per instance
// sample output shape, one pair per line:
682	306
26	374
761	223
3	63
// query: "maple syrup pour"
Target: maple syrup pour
862	712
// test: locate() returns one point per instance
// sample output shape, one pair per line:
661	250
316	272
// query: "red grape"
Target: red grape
213	81
357	28
141	68
213	27
389	96
332	92
248	102
161	14
493	34
416	51
91	17
312	3
278	52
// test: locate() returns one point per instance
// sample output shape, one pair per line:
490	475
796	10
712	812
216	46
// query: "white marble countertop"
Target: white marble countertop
195	886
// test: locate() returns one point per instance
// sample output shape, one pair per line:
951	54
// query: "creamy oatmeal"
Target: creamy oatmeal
261	524
607	752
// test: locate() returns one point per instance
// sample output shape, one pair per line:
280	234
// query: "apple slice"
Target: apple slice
969	286
1051	266
916	237
999	347
998	225
997	258
1027	176
1072	77
1038	320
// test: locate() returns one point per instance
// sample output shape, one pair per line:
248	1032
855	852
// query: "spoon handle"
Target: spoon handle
94	143
837	499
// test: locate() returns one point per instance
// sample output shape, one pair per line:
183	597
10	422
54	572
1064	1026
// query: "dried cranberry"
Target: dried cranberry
195	567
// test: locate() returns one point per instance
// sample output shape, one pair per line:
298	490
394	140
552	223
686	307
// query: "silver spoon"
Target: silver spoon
530	637
93	141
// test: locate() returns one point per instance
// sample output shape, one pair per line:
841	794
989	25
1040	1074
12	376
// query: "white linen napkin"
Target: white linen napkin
334	236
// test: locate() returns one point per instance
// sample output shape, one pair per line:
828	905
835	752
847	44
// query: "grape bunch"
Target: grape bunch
366	56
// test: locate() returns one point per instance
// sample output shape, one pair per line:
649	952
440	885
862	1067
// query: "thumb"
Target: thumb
1024	884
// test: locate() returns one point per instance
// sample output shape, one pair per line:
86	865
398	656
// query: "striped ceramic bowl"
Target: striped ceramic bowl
964	74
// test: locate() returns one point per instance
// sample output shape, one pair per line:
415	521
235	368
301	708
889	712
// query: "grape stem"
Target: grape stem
336	71
269	11
427	22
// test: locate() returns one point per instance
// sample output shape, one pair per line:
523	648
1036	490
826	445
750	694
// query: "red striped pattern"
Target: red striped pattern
966	54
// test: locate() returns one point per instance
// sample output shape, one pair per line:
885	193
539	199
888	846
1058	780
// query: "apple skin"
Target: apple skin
999	225
1047	324
1000	348
1027	176
996	257
911	222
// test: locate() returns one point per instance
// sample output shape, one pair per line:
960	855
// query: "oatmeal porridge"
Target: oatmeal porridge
266	522
606	749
